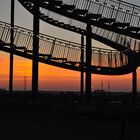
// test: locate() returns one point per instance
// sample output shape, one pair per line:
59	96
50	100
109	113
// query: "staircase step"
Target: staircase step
72	27
24	1
41	14
45	17
67	7
28	4
120	24
93	16
137	29
107	20
55	3
31	8
82	31
50	19
78	29
49	0
80	11
67	25
20	48
74	63
57	58
41	54
55	21
29	51
5	44
61	23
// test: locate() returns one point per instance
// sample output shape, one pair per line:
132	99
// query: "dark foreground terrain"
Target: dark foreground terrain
67	118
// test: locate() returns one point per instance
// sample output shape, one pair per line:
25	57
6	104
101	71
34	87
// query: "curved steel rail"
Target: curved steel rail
114	40
63	53
113	15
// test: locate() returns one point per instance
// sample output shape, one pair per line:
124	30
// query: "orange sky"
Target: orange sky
53	78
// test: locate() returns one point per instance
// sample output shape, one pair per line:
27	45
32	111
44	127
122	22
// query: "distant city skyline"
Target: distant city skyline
50	77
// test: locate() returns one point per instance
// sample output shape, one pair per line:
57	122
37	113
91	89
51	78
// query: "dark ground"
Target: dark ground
61	120
43	125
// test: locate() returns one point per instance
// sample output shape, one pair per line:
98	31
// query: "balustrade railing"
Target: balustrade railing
59	50
116	9
103	33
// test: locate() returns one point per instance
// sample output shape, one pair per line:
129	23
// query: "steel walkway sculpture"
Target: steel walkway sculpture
112	22
113	15
64	53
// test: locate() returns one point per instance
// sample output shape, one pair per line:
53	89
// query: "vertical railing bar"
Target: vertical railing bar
135	45
22	39
25	39
3	32
132	14
53	45
68	50
7	36
16	40
28	41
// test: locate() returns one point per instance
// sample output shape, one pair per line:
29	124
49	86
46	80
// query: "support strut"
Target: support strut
11	47
88	61
134	85
82	65
35	48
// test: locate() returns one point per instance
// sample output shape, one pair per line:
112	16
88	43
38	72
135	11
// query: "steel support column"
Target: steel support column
134	84
82	65
35	48
11	46
88	60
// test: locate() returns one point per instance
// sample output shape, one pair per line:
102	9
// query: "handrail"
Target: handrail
112	36
41	35
118	5
106	8
61	51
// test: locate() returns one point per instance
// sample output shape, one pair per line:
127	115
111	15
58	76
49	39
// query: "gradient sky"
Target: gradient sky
50	77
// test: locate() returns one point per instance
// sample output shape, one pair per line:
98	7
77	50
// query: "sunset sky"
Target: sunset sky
50	77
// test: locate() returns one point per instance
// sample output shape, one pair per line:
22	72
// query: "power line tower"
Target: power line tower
102	85
25	83
108	86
